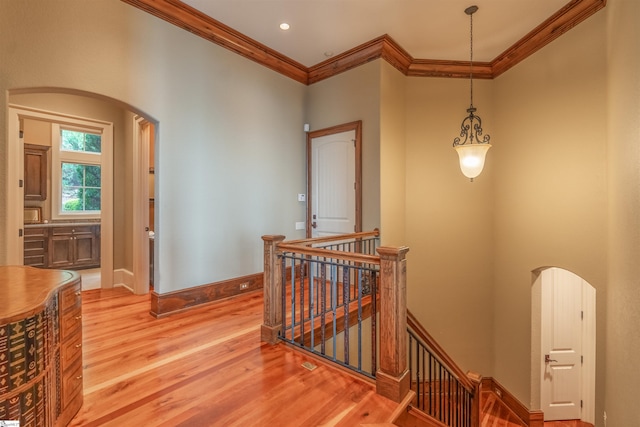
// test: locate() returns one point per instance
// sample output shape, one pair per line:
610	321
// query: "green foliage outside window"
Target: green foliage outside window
81	175
80	187
81	141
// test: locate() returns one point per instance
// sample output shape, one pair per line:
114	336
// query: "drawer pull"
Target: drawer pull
78	345
78	317
79	377
78	293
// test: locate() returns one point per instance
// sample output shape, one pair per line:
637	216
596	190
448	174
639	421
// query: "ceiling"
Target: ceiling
426	29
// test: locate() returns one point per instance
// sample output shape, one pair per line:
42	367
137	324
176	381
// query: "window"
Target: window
77	172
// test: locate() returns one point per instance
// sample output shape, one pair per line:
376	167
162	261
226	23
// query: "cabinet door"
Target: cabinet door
86	247
35	172
61	248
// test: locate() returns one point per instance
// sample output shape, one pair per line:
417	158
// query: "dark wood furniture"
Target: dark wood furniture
73	246
40	346
35	172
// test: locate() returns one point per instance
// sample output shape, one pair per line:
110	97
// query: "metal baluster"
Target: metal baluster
323	305
334	305
359	287
345	301
311	278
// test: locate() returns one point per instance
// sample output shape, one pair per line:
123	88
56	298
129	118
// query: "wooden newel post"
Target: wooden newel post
476	380
272	289
392	377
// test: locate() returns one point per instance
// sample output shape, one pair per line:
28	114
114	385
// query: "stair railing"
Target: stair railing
321	294
443	390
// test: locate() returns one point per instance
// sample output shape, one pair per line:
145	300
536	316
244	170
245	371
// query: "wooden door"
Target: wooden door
334	181
562	333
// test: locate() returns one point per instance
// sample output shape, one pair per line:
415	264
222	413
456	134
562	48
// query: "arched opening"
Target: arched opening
117	218
563	345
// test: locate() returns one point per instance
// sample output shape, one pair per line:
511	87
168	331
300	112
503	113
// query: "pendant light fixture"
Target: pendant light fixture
471	145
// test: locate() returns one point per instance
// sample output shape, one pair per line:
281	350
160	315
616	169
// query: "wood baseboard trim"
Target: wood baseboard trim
533	418
173	302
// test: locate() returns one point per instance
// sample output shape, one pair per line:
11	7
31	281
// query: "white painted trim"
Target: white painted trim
141	141
123	278
15	170
15	193
589	353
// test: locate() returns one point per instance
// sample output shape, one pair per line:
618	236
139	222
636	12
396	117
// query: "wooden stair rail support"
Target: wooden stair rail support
476	380
272	289
392	378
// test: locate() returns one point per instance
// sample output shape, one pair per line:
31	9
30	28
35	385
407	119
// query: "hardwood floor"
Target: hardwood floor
205	367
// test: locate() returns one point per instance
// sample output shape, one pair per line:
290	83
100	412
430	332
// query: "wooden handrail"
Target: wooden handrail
328	253
309	241
439	352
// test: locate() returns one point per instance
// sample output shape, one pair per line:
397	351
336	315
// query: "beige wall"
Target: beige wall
392	156
230	142
347	97
449	221
623	291
550	186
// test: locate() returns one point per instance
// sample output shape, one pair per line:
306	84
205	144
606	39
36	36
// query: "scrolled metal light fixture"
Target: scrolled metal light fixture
471	145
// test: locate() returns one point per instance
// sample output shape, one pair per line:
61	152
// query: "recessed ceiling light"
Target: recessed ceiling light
284	26
328	54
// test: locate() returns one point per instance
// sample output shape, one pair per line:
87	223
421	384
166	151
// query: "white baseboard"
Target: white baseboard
123	278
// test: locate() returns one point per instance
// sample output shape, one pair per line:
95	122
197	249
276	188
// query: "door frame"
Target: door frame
588	375
345	127
141	140
15	172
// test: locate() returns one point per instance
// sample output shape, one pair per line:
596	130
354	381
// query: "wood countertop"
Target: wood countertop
24	290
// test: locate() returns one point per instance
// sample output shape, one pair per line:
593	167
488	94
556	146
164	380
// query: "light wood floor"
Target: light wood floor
207	367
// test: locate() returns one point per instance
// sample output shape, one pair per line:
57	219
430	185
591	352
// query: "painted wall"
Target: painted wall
230	138
392	156
82	106
449	220
550	187
347	97
623	292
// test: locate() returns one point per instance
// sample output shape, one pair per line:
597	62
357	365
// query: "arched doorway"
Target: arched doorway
563	345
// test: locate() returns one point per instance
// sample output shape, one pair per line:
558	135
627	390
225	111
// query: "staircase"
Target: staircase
320	295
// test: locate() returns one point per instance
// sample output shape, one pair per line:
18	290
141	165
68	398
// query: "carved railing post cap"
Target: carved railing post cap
273	238
392	251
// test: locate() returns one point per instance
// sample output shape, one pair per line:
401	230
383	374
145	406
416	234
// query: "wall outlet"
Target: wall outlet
244	285
302	197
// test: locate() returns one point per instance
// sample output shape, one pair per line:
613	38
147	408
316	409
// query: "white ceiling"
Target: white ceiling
426	29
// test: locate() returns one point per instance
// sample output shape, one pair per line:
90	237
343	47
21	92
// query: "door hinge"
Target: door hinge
581	404
581	315
582	360
21	134
20	232
20	183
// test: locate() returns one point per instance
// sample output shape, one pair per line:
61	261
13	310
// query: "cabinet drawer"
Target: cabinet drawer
71	384
71	350
70	298
70	324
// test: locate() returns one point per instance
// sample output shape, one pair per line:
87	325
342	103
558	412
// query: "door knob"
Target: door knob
314	224
547	359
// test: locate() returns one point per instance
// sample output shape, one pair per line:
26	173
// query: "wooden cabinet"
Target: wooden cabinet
35	172
74	247
36	242
40	345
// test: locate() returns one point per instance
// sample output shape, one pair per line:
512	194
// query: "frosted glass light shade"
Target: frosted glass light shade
472	158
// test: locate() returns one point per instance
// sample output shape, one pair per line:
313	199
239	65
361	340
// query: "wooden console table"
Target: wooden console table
40	346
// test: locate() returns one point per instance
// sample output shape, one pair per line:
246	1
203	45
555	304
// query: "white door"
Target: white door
333	184
562	332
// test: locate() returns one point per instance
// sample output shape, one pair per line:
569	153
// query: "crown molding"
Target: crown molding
194	21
